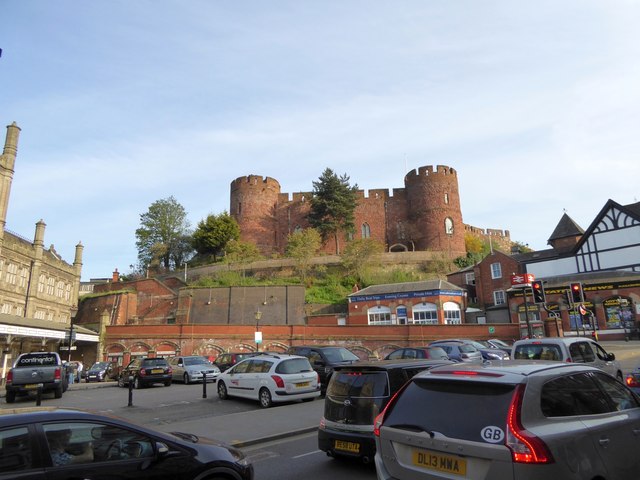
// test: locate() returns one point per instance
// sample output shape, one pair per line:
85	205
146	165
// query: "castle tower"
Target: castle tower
254	202
433	205
7	162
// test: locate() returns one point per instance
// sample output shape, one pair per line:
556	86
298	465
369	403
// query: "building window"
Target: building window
67	292
452	314
379	315
22	281
446	198
39	315
425	314
6	308
239	210
41	283
59	289
499	297
20	310
496	270
366	230
470	278
50	286
448	226
12	273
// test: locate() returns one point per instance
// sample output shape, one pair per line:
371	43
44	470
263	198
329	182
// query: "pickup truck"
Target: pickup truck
31	370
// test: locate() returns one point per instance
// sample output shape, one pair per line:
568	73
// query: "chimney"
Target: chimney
116	276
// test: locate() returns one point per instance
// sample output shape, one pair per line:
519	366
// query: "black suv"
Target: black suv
146	371
227	360
323	359
355	395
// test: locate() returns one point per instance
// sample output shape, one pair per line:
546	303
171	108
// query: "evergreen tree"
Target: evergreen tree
214	233
332	206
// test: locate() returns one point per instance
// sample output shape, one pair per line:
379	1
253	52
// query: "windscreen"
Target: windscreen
196	361
340	355
456	409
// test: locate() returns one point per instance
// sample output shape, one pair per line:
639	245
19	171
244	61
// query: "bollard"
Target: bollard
204	384
39	395
130	392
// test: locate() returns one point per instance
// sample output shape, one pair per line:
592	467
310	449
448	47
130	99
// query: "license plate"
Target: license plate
303	384
351	447
31	386
440	462
157	370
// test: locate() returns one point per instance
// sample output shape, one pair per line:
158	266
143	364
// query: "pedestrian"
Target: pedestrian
71	372
80	367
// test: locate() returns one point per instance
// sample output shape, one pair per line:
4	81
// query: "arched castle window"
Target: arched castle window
448	226
446	198
366	230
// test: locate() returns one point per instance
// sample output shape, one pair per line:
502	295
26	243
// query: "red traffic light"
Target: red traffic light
577	294
538	292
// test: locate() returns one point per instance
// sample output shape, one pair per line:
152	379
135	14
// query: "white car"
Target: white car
568	349
270	378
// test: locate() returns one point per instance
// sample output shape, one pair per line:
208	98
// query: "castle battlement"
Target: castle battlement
255	180
428	170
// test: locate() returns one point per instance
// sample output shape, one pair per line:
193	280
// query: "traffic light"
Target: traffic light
538	292
576	293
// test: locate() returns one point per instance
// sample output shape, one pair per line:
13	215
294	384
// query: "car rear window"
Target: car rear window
457	409
339	354
154	362
358	383
37	360
538	351
294	365
465	348
437	352
196	361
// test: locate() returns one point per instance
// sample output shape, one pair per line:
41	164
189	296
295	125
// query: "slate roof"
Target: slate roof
566	227
407	287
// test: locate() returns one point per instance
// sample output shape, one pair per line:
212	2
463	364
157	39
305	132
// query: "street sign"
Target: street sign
258	337
66	349
522	280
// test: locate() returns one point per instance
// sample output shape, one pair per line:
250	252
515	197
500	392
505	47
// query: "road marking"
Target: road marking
308	453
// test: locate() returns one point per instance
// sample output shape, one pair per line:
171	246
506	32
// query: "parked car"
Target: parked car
229	359
144	372
324	359
44	370
432	353
460	351
270	379
488	352
568	349
189	368
510	420
102	371
355	395
501	344
65	443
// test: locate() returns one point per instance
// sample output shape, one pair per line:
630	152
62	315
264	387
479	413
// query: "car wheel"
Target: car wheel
167	383
57	393
137	384
222	391
186	379
265	398
121	381
10	397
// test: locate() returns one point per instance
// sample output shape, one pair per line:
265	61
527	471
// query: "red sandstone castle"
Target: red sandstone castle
424	215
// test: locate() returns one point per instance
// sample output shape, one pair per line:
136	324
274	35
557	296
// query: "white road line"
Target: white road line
309	453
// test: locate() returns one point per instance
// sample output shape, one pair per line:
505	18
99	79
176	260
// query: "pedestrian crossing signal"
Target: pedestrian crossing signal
538	292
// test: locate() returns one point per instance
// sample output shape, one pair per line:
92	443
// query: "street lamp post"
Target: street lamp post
258	334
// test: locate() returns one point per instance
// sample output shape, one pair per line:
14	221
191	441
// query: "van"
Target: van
356	394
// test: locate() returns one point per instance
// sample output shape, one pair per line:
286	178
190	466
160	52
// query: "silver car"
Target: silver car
190	369
516	420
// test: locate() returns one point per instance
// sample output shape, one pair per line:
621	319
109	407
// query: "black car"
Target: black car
102	371
68	443
355	395
431	353
323	359
224	361
144	372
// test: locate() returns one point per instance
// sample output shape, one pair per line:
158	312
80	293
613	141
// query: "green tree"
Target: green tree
302	246
214	233
332	206
163	238
360	256
241	252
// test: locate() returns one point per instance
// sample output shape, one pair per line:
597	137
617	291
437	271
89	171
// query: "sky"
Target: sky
122	103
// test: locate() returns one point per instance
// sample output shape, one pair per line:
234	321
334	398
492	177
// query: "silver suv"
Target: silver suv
514	420
568	349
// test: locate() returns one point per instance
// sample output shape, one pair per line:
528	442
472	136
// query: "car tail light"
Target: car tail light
10	377
143	372
57	374
525	447
278	380
169	370
377	423
632	381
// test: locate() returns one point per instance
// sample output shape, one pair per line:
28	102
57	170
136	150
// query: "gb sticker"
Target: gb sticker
492	434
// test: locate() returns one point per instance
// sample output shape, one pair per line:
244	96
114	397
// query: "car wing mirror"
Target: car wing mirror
610	357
